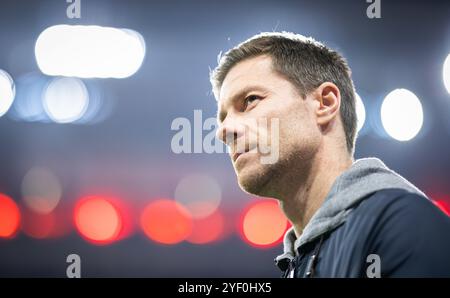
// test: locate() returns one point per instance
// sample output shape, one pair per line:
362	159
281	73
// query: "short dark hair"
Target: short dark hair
304	62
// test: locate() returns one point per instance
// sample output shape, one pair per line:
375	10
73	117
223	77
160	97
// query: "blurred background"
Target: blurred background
86	162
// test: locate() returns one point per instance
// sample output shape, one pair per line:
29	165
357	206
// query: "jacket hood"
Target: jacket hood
364	177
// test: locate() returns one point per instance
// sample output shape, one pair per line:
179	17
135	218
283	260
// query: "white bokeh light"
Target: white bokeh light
200	194
402	114
41	190
89	51
65	100
446	73
7	92
360	111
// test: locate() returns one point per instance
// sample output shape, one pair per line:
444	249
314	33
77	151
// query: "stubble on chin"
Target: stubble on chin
259	180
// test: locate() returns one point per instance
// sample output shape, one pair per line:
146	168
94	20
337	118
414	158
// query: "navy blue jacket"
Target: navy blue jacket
401	234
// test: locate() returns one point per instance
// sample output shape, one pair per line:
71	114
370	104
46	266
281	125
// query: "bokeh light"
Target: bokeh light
41	190
65	100
444	205
402	115
263	224
166	221
46	225
446	73
200	194
208	229
100	105
7	92
38	225
89	51
360	112
28	105
98	220
9	217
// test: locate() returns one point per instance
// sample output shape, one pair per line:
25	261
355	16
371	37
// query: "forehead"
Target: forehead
250	72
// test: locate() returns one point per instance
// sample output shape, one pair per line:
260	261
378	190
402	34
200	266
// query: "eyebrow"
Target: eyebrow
247	89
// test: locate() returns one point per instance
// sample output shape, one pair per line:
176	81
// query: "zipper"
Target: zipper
312	261
290	272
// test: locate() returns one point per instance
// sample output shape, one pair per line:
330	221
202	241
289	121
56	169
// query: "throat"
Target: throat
310	193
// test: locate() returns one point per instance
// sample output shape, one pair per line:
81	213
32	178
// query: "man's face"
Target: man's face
253	98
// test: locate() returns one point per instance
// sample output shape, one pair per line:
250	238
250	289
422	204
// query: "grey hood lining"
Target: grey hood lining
364	177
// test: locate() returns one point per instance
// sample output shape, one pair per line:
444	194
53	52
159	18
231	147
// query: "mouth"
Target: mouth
236	155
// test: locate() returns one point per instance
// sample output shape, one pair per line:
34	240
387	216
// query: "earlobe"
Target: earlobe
329	98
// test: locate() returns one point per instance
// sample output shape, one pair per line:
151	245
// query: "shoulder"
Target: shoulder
393	202
395	211
408	232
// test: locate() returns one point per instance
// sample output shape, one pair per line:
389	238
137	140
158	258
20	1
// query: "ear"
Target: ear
329	98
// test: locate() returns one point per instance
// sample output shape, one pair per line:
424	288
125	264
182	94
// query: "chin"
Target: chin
255	180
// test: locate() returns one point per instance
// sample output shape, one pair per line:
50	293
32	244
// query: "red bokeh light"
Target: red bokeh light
263	224
41	226
440	200
443	205
166	221
98	220
208	229
9	217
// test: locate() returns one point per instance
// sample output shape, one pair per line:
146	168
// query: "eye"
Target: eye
251	100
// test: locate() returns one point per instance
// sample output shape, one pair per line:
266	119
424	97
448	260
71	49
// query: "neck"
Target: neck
309	188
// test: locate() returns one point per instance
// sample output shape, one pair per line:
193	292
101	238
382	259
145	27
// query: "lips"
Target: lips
235	155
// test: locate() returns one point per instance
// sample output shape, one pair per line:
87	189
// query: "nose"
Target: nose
229	131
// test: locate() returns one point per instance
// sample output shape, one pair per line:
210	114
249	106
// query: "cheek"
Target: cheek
297	128
293	118
295	124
